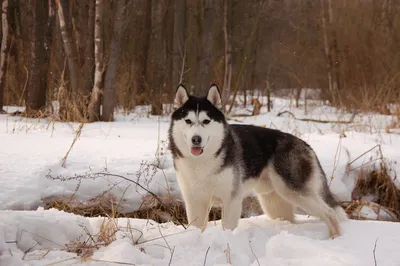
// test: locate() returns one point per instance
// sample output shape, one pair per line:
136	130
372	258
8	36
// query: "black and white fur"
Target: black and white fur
215	161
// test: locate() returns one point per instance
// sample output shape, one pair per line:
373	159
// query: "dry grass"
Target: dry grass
395	124
105	236
354	210
101	205
108	229
69	110
377	183
172	209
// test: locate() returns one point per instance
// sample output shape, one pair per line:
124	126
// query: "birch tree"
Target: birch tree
228	58
94	105
69	46
179	40
4	48
331	50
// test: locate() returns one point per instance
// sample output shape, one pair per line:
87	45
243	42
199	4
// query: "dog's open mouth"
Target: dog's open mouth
196	151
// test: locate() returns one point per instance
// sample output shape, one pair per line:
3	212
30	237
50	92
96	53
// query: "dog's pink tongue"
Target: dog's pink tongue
196	150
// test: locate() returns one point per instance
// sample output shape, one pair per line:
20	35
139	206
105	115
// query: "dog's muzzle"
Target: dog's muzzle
196	149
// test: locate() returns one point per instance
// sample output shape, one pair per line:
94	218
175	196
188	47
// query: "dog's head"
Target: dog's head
198	124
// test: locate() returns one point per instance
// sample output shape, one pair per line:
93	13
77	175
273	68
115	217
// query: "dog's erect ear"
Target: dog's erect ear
214	96
181	96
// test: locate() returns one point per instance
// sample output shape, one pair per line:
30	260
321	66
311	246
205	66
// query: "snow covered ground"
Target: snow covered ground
256	241
31	152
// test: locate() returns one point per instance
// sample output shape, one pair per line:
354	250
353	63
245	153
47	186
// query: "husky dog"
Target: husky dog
217	161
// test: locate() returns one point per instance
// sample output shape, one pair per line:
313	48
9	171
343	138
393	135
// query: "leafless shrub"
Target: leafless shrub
147	171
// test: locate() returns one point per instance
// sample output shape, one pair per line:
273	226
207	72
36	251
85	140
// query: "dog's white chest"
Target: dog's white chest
204	178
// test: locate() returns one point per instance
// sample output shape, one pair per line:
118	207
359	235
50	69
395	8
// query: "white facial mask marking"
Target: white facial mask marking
197	127
212	134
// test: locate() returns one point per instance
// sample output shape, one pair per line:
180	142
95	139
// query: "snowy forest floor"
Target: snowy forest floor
35	177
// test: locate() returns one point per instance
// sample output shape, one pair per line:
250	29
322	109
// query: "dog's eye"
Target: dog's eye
188	121
206	121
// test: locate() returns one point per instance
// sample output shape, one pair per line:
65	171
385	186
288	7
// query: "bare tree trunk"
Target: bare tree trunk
327	52
169	36
16	62
69	46
268	95
179	56
111	74
245	57
88	68
142	59
298	95
204	72
38	19
49	41
94	105
157	61
228	58
4	48
334	48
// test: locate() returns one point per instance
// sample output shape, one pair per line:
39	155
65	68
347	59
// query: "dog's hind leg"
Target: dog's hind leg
314	205
276	207
311	202
331	201
297	176
273	205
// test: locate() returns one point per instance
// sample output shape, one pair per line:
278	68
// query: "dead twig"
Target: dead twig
60	261
336	160
252	251
156	238
172	254
25	231
317	120
129	227
78	133
170	249
228	254
29	250
205	257
375	263
112	262
376	146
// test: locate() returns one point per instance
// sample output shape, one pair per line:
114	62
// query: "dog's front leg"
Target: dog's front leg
231	211
196	204
197	211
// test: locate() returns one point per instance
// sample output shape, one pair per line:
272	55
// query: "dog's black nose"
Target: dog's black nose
196	140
